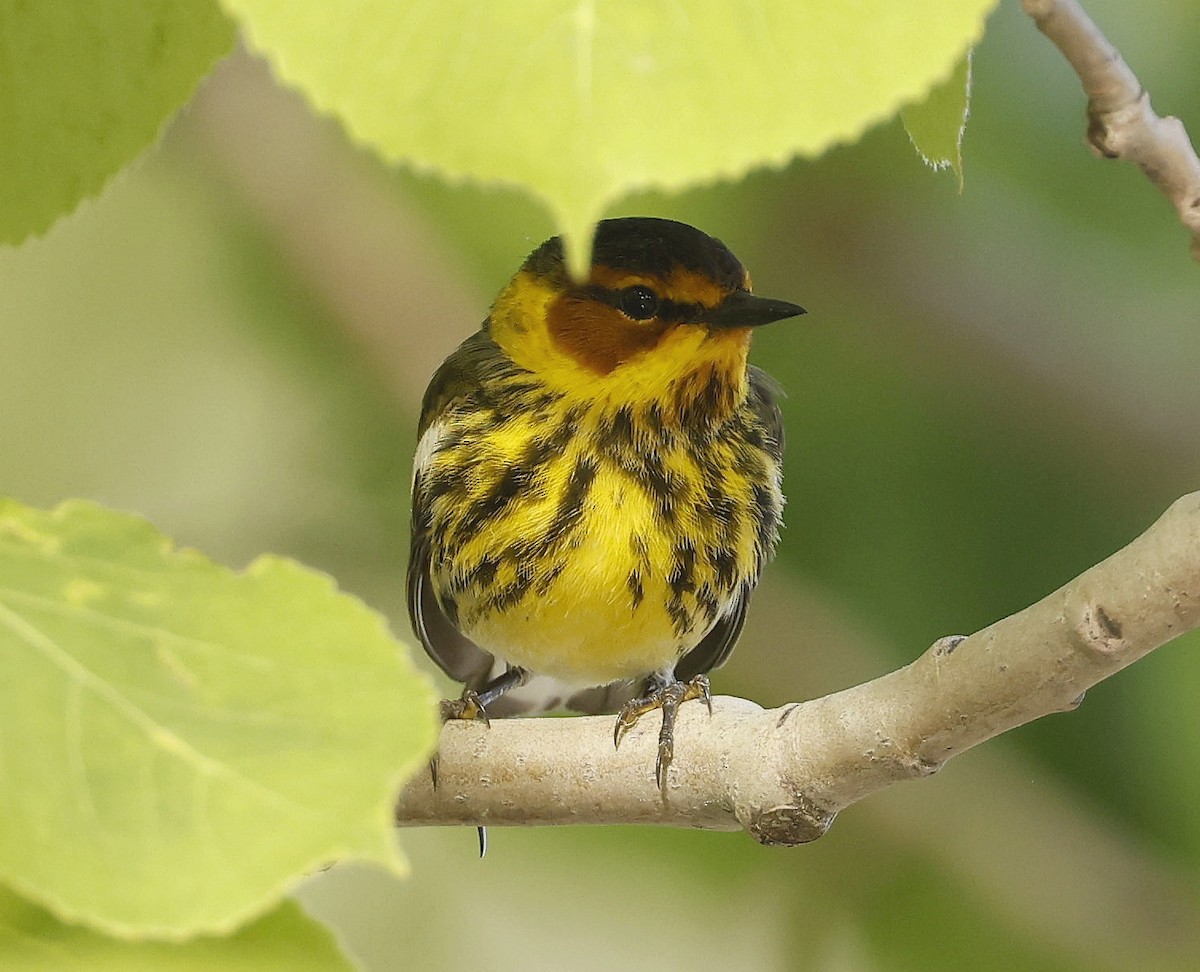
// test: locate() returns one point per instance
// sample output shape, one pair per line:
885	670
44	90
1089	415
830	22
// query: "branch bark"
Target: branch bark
1121	122
784	774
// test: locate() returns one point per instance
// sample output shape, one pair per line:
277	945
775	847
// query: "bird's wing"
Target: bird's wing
763	399
461	384
457	384
716	646
462	379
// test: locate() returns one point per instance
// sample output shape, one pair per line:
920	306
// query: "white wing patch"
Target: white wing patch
428	446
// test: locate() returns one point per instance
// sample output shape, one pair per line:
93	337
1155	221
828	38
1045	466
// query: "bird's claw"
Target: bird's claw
467	708
668	698
471	709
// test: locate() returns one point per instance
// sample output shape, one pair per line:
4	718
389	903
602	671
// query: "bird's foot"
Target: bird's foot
471	707
468	708
668	697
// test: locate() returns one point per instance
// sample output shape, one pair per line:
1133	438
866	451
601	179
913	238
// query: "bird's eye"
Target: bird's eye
639	303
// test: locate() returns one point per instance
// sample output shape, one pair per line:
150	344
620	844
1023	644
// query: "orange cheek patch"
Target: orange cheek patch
597	336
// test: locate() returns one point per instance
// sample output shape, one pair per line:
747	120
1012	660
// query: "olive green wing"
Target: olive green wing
716	646
462	380
763	400
458	384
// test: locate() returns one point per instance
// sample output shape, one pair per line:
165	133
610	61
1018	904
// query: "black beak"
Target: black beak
744	309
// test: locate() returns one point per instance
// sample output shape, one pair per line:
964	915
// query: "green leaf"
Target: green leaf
32	940
179	743
87	87
936	125
582	102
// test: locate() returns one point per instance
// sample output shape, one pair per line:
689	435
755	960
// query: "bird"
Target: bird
597	483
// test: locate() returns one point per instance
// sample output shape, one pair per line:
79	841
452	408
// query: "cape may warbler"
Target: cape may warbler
597	482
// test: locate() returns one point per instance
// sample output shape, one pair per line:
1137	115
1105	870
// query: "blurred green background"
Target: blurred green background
990	393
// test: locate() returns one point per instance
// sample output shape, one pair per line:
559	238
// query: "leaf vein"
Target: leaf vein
160	736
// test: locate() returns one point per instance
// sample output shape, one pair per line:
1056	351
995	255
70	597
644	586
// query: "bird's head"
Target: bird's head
662	304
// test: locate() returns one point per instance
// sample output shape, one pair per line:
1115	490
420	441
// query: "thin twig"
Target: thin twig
1121	122
784	774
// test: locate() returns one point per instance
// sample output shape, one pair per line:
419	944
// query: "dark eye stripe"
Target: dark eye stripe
669	311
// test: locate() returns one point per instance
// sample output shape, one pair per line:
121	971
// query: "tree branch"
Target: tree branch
784	774
1121	122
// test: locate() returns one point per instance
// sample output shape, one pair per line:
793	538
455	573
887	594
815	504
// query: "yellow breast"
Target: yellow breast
598	609
579	559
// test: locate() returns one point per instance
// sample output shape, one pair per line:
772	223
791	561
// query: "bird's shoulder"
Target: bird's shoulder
470	377
762	403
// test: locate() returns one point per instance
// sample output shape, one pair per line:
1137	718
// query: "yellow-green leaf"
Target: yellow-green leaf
936	125
32	940
582	101
84	88
180	743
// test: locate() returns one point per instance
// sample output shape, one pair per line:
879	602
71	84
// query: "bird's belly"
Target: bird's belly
600	606
579	636
584	629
